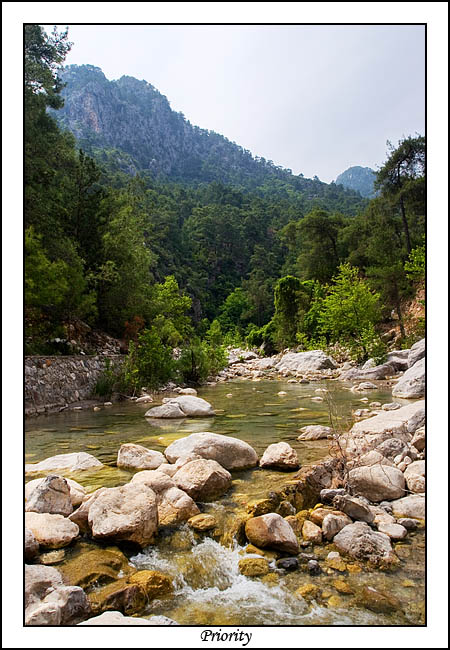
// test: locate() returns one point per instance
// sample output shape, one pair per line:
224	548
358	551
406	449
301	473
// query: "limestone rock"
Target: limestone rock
280	455
394	531
31	545
52	495
69	462
305	361
416	353
377	601
415	476
175	506
377	482
412	506
333	523
359	541
373	457
229	452
48	601
80	515
353	507
118	595
271	531
133	456
188	405
202	522
77	491
418	440
369	434
412	383
167	410
203	480
117	618
127	513
253	567
154	583
311	532
51	531
315	432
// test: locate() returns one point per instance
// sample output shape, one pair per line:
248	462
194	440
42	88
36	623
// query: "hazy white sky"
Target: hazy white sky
316	99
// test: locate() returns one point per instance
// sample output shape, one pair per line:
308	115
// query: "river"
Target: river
209	590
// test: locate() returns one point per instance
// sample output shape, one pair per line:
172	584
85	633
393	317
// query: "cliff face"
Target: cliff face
131	124
134	117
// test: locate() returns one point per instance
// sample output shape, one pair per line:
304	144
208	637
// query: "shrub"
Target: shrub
199	360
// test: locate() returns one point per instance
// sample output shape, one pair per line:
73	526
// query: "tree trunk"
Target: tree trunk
405	226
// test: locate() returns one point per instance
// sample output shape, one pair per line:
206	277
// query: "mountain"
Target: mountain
359	179
130	124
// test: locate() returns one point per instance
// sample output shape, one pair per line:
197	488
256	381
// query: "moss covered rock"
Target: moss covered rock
253	567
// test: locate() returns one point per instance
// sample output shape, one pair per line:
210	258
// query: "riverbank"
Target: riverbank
295	497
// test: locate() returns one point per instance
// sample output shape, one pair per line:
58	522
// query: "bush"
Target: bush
148	363
199	360
108	381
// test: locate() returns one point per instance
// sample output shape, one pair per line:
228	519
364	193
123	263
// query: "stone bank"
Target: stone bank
53	382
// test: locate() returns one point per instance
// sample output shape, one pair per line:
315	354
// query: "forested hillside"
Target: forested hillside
143	225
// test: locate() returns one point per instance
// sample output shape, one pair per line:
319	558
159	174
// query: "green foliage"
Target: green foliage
168	312
415	264
263	336
149	363
350	310
109	380
291	305
199	360
45	282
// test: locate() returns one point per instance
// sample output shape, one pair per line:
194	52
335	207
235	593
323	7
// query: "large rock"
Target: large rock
377	482
77	491
305	361
31	545
271	531
203	480
419	439
412	506
48	601
412	383
416	353
174	505
399	358
90	566
333	523
69	462
80	515
52	495
117	618
280	455
368	434
415	476
311	532
128	513
359	541
377	372
229	452
51	531
315	432
133	456
353	507
187	405
167	410
373	457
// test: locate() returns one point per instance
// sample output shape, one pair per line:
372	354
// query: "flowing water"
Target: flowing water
209	590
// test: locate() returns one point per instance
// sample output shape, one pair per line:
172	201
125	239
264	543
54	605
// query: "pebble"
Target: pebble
107	403
409	524
314	567
288	563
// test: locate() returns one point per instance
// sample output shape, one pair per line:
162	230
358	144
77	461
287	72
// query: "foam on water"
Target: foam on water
208	584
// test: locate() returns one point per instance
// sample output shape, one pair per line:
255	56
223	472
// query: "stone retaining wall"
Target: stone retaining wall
54	382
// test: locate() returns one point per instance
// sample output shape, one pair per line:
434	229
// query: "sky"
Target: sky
316	99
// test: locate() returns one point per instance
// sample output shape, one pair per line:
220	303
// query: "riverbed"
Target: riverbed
209	590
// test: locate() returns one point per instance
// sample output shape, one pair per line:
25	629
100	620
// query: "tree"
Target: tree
402	180
291	304
168	312
350	310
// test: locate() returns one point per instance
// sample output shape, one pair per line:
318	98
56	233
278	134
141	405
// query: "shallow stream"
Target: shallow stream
209	590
